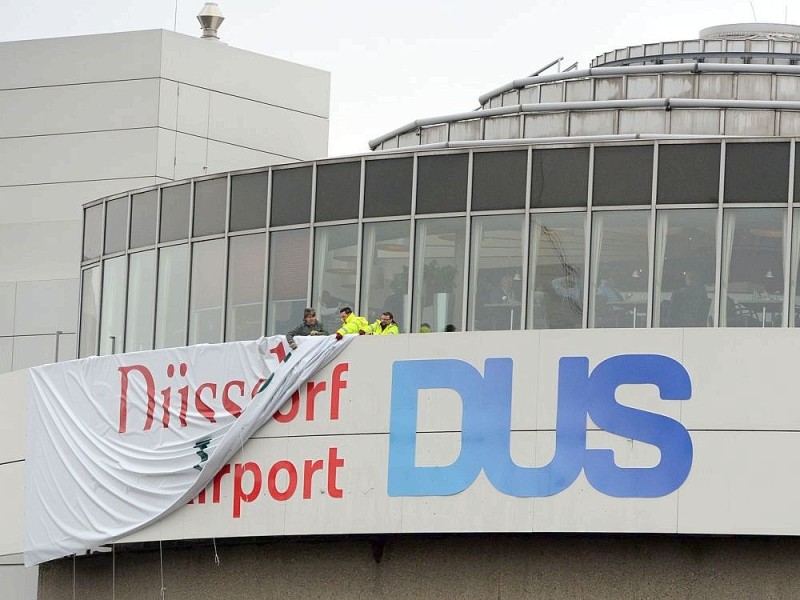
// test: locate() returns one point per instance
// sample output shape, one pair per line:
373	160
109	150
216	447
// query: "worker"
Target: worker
309	326
385	325
351	323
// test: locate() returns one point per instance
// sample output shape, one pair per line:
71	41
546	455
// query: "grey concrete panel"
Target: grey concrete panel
594	122
12	474
78	157
8	293
192	109
32	351
12	426
247	74
46	306
750	122
642	121
80	59
36	251
6	353
68	347
226	157
18	582
167	103
79	108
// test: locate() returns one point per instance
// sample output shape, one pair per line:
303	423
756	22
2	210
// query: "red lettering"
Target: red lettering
312	389
217	490
293	410
239	495
257	387
184	394
337	384
203	408
123	395
279	351
311	467
229	404
334	462
282	465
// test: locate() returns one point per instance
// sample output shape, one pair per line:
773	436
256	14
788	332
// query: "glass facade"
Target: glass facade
659	234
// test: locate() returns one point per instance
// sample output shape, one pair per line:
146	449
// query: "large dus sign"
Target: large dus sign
486	428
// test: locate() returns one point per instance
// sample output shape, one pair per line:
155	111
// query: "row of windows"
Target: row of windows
629	268
558	178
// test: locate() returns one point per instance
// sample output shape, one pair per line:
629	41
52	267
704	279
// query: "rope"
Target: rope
73	577
216	556
113	571
161	557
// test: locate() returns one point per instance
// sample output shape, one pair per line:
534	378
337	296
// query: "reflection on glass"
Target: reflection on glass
116	230
288	280
752	267
249	201
335	258
620	268
112	313
438	273
90	311
171	303
143	218
174	213
685	268
245	313
141	301
385	271
208	287
495	283
209	206
556	278
92	225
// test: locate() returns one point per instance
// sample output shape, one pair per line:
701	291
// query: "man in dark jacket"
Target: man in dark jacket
309	326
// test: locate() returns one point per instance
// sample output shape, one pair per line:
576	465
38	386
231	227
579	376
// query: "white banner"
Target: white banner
118	442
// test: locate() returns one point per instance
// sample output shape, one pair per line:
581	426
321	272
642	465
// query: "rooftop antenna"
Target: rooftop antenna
755	18
547	66
210	18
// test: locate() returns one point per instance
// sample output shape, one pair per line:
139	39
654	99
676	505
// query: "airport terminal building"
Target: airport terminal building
620	236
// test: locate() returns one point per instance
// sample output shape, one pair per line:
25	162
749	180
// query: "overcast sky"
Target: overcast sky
393	62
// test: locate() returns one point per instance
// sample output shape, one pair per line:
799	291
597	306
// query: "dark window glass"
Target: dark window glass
498	180
623	175
688	173
92	226
387	187
337	191
174	213
116	225
291	196
249	201
442	184
209	206
757	172
143	219
560	177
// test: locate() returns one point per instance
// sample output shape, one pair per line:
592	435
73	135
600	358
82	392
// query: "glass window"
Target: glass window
685	268
171	300
90	311
442	183
794	313
438	273
338	188
757	172
387	187
688	173
623	175
245	314
143	219
335	258
208	287
620	269
92	228
556	278
385	271
209	206
498	180
249	201
174	213
141	301
112	313
752	267
288	280
560	178
116	230
291	196
495	283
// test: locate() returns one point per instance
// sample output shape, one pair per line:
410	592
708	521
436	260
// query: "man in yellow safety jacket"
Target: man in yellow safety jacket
385	325
351	323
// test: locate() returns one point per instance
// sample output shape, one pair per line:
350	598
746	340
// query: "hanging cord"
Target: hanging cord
216	556
161	557
113	572
73	578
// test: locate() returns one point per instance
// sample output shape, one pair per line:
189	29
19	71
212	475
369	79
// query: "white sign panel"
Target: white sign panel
116	442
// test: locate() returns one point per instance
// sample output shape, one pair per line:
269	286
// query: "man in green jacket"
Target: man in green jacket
385	325
351	323
309	326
